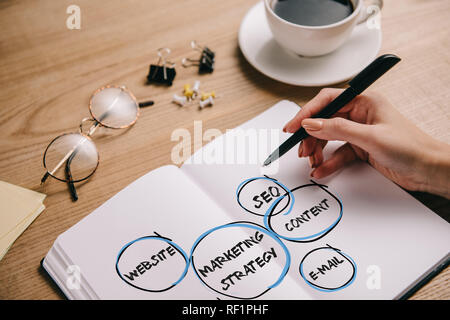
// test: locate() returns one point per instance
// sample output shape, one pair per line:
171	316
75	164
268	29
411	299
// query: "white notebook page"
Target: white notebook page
392	238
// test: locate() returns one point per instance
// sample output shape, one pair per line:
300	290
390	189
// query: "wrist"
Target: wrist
437	170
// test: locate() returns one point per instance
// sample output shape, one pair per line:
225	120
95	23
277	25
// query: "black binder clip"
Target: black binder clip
161	73
205	63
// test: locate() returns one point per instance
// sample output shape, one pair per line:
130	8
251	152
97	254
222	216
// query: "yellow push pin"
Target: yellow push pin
205	96
188	92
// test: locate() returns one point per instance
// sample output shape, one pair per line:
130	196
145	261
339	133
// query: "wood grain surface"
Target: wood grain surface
48	72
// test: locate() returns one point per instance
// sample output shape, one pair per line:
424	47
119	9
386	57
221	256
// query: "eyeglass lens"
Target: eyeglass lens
114	107
71	152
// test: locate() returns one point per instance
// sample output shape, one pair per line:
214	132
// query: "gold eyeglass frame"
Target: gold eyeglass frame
97	123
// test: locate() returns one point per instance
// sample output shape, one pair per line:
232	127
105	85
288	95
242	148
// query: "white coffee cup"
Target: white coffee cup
313	41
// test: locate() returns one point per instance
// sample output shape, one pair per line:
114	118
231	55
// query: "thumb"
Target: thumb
339	129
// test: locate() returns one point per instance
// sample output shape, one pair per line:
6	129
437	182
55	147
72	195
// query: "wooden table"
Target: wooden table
48	72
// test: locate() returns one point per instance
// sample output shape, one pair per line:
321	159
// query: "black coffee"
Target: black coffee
313	12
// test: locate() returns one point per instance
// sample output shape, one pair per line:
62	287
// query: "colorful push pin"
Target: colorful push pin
206	103
181	101
188	92
160	73
196	88
207	95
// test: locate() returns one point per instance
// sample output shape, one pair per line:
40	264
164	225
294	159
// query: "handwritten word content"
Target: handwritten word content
151	264
307	215
316	211
327	269
237	262
256	195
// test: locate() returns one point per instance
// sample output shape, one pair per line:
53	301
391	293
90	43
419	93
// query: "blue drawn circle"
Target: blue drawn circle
250	225
173	244
309	238
323	289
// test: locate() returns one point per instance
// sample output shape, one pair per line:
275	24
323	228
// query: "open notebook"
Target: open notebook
208	231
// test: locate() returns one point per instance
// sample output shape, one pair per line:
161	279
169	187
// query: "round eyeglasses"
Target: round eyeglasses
73	157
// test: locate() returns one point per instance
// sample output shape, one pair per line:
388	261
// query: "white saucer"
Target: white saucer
261	51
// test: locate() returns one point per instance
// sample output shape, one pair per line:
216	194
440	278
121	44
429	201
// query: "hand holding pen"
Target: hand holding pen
377	133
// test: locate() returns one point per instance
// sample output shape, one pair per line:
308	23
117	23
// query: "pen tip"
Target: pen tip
267	162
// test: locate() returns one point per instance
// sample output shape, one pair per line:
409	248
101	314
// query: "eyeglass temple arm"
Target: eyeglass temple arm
146	104
73	191
44	177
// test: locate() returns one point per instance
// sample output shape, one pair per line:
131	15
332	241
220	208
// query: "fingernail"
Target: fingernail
300	151
284	129
312	173
289	128
312	124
